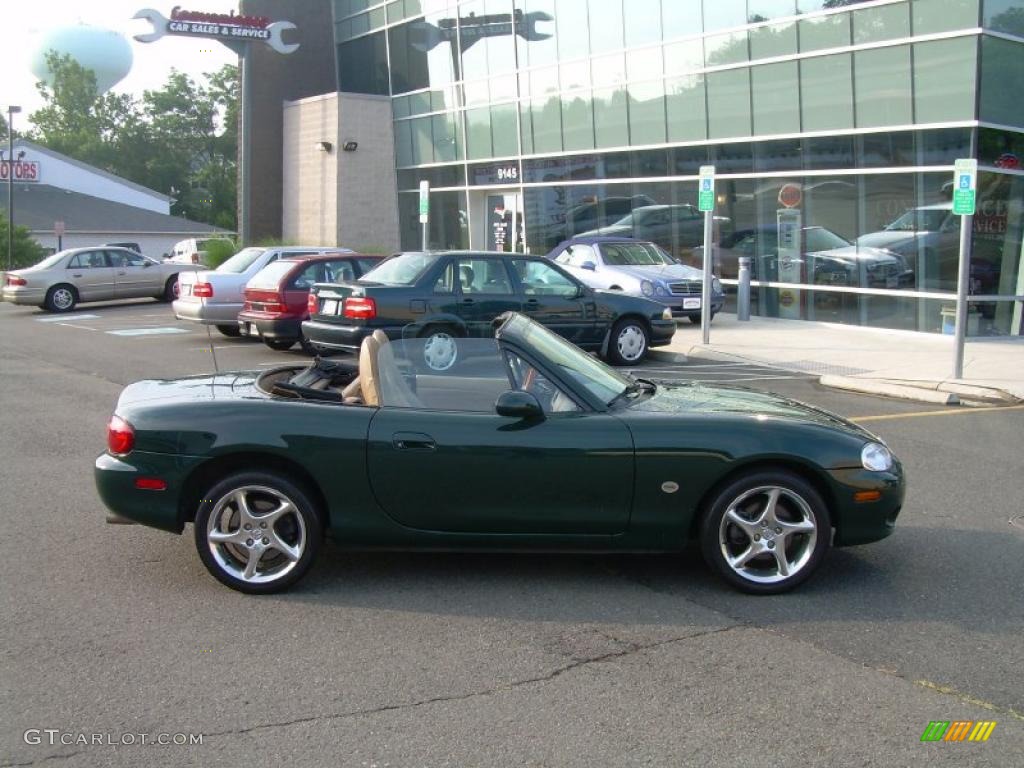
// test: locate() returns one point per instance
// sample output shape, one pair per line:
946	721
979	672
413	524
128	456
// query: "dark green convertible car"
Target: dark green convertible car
527	443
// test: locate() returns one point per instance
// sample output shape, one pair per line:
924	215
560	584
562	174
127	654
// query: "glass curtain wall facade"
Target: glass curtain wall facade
836	119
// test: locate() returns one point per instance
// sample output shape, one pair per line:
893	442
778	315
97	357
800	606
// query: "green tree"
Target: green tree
26	250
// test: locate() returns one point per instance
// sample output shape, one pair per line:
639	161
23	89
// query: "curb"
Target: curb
878	387
666	357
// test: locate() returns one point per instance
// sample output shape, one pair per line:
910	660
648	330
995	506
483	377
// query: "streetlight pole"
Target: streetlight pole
11	112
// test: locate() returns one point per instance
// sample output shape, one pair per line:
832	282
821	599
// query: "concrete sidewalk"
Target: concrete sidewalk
869	359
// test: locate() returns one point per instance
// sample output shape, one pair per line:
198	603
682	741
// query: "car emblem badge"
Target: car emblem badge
669	487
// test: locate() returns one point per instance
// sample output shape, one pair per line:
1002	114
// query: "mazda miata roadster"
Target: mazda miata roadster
525	443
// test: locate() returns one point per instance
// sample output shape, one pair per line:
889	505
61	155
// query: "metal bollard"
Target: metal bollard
743	290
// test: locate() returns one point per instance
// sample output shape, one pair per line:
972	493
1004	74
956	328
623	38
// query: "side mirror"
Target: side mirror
589	265
517	404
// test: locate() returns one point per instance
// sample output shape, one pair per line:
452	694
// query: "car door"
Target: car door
554	299
477	472
135	275
91	274
483	290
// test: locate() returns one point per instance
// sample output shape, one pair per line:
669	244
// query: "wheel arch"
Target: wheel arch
803	469
207	473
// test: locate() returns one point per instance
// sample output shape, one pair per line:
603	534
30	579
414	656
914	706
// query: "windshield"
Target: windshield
241	261
570	361
820	239
635	255
920	220
404	269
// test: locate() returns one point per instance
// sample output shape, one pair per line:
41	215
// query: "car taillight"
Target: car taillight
312	304
202	290
120	436
15	280
360	308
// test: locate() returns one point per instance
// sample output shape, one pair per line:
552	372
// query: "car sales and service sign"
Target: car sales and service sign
232	29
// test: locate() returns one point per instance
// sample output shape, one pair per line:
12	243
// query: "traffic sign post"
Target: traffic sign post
965	187
58	230
706	203
424	210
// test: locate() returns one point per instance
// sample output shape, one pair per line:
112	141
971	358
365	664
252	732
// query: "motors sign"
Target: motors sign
24	170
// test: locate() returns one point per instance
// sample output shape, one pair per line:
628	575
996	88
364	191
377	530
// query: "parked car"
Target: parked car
529	443
276	298
192	250
826	257
638	268
444	295
99	273
214	297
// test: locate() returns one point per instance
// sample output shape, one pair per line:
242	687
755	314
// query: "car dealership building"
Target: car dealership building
833	126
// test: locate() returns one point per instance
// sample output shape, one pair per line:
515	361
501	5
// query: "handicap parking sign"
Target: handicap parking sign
965	181
707	185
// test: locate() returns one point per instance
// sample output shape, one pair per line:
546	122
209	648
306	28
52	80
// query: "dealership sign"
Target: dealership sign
24	170
231	29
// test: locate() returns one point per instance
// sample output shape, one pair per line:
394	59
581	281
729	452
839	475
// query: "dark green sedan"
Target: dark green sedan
526	443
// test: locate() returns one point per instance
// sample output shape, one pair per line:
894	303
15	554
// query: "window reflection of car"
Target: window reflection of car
638	268
661	224
826	257
590	215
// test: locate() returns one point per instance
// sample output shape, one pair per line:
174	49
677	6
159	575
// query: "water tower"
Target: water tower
105	52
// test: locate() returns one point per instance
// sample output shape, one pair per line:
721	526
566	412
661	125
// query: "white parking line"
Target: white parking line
147	331
206	347
63	318
83	327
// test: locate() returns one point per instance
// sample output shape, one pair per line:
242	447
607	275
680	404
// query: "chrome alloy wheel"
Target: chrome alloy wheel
63	298
631	343
256	534
767	534
440	351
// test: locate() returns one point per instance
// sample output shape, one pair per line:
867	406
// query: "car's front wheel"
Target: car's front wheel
61	298
257	532
629	342
766	532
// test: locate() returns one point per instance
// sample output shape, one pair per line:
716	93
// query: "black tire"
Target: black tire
300	529
798	506
231	331
170	289
61	298
631	350
695	319
438	334
279	345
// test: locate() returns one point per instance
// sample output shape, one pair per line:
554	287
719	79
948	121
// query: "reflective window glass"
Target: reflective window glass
422	140
572	22
577	121
606	25
766	10
944	15
685	108
644	64
681	18
610	122
944	77
684	57
363	65
728	103
546	123
478	133
773	40
1004	16
447	147
825	32
776	92
647	112
1002	62
885	22
503	130
533	53
724	15
642	21
727	48
882	86
826	89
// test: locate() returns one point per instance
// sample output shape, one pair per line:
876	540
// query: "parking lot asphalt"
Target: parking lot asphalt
398	659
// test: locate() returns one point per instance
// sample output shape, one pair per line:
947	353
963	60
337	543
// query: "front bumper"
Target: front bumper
662	331
678	304
207	313
269	327
864	522
115	482
24	295
335	336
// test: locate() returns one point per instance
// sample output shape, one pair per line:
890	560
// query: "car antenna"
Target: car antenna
209	338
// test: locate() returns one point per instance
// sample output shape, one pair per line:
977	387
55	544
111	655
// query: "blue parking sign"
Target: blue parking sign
965	181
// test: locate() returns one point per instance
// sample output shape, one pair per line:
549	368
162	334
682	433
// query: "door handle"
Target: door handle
413	441
468	301
122	273
532	301
77	274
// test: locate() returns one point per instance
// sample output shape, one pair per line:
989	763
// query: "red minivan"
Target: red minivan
276	297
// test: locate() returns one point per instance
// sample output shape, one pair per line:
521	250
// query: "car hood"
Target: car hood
854	254
694	397
664	272
892	240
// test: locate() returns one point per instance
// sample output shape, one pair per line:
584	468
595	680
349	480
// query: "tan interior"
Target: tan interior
365	388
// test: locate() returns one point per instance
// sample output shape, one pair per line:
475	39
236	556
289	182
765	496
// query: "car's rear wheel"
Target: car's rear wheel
279	345
766	532
629	342
441	350
170	289
231	331
61	298
257	532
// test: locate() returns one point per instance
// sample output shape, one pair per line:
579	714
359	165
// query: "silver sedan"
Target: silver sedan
100	273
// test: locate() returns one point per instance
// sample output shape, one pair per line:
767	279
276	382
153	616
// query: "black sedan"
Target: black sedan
442	296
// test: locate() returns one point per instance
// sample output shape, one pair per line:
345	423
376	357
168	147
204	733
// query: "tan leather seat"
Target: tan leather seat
365	388
381	337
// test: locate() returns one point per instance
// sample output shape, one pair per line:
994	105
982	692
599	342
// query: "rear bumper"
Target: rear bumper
207	313
115	482
864	522
270	327
335	336
24	295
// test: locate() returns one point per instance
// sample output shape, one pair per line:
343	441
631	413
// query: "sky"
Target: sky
25	23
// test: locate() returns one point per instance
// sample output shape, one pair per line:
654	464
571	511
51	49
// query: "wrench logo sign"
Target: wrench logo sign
233	31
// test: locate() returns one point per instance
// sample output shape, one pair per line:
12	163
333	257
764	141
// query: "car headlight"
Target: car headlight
647	287
667	314
716	285
659	290
876	457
